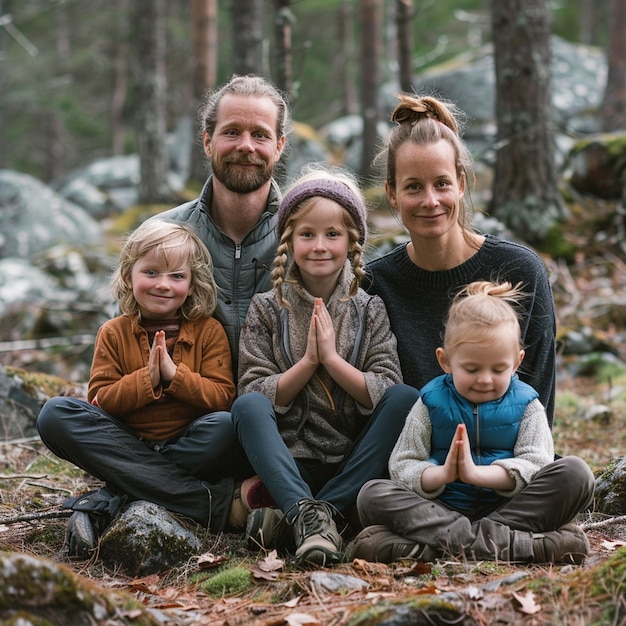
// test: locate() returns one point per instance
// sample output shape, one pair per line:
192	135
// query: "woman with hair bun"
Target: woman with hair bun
427	175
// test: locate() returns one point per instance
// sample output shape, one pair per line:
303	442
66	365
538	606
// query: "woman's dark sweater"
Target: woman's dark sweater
417	302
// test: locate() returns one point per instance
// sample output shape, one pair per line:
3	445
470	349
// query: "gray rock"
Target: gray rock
108	185
33	217
146	539
337	583
610	491
19	406
35	590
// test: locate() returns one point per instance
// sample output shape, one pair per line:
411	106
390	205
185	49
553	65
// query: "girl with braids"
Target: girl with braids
316	356
473	473
427	175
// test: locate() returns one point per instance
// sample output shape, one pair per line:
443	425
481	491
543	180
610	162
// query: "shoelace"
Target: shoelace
314	517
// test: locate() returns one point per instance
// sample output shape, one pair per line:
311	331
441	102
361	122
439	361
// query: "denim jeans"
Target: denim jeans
290	480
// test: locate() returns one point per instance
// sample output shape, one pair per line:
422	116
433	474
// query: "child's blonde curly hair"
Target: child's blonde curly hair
174	241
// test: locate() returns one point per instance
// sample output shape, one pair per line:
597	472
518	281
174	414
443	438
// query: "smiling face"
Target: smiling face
161	283
320	244
244	147
482	370
427	190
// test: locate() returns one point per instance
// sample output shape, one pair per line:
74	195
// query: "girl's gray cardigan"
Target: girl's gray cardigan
322	422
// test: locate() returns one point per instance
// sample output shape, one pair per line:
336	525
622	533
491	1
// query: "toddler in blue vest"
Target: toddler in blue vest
473	473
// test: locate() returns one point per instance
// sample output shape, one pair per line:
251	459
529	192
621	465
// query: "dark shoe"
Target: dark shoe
568	544
378	544
93	512
82	533
317	539
268	528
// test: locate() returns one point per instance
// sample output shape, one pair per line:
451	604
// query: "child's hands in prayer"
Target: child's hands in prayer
160	365
325	332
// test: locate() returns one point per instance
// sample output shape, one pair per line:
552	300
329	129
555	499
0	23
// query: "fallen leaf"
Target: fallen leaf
612	545
474	593
361	565
299	619
147	584
291	603
271	562
260	574
527	603
420	568
209	561
430	590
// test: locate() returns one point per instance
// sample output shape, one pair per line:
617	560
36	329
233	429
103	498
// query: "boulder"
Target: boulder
35	590
610	492
33	217
146	539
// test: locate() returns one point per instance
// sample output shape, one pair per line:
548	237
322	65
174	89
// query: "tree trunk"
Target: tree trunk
613	111
55	133
525	189
404	27
248	36
371	47
591	16
205	34
120	86
150	108
346	46
283	20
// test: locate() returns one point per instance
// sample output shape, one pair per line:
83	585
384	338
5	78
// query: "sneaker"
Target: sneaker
378	544
82	533
568	544
317	539
268	528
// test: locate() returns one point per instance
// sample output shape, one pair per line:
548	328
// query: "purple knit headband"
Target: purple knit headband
331	189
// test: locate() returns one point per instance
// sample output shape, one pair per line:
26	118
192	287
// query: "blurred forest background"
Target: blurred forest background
71	77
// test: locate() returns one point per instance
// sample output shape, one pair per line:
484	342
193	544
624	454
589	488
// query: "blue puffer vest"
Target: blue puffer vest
492	429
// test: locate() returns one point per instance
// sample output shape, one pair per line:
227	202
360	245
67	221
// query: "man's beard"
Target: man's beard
242	180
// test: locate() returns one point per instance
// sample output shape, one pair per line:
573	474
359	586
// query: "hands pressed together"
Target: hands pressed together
459	465
321	347
160	365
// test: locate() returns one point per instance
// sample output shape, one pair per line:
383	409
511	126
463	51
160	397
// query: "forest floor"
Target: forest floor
230	585
265	589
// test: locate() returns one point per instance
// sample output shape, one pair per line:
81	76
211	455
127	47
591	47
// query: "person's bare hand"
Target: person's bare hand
311	354
167	368
154	364
326	343
451	464
466	465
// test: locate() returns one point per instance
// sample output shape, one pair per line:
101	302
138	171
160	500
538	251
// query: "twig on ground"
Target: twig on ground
22	476
29	517
50	488
620	519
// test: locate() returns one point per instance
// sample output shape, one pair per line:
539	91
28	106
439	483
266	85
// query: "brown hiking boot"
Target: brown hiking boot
317	539
568	544
268	528
378	544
